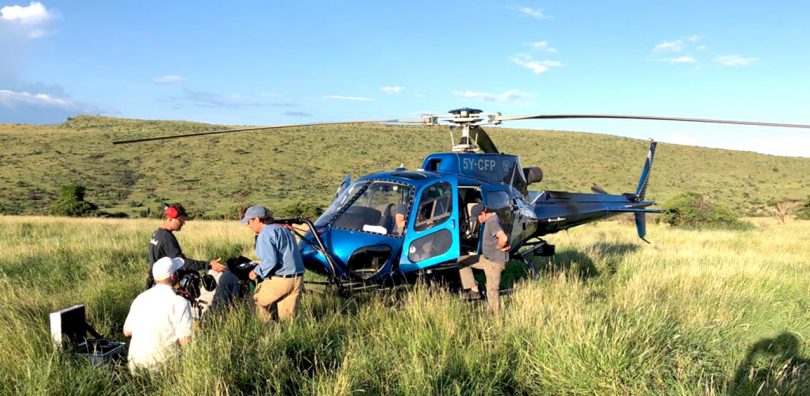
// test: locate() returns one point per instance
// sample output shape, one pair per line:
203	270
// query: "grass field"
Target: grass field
215	175
696	312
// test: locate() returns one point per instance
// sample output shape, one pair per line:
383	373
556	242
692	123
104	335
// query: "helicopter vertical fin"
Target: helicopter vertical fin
645	174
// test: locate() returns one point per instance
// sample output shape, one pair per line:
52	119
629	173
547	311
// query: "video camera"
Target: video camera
241	267
188	284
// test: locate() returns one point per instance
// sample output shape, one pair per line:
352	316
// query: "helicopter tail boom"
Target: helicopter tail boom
558	210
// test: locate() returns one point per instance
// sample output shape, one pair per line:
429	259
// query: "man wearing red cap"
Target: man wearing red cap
164	244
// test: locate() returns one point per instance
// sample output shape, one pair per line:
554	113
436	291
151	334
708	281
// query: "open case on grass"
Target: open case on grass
69	328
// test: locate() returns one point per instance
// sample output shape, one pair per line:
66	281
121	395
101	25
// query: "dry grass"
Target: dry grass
696	312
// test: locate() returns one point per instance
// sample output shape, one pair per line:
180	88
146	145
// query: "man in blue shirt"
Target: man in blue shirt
280	268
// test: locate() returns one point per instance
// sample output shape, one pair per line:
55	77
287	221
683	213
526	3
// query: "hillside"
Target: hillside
214	175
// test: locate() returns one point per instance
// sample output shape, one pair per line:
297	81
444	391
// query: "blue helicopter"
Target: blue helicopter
391	226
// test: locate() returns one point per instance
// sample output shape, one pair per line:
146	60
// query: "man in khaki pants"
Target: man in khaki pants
280	267
494	255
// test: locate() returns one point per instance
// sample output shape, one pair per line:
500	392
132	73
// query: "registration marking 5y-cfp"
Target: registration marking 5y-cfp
479	164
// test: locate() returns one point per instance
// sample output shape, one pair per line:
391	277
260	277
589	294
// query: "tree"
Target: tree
71	202
781	208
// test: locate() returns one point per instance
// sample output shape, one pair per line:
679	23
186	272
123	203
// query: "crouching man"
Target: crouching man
159	320
280	267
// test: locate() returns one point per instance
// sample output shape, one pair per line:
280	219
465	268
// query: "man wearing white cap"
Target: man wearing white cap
280	269
159	320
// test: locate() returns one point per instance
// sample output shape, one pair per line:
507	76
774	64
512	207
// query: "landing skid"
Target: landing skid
532	249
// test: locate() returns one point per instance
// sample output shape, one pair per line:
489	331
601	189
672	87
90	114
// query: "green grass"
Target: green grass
215	175
696	312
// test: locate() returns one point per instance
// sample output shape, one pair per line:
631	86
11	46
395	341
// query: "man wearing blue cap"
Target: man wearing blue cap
280	268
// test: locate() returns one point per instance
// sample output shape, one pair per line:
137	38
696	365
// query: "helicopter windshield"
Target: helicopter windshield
378	206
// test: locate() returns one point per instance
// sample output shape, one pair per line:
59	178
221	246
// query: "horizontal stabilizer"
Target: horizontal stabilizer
634	210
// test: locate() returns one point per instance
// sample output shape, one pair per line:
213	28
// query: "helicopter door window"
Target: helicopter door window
497	200
430	246
435	206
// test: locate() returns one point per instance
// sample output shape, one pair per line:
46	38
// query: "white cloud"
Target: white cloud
536	66
18	23
734	60
10	98
33	14
532	12
543	46
349	98
39	108
681	59
669	46
169	79
510	96
676	45
392	90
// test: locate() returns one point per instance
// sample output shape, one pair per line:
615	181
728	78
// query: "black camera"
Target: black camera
189	281
241	267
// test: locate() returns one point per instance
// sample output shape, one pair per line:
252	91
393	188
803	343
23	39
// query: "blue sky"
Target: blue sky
270	62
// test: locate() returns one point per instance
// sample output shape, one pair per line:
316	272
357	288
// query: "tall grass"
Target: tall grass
696	312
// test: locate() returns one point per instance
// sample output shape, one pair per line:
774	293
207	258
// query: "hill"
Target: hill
215	175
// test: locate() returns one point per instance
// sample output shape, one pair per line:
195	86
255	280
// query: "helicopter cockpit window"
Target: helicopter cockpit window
380	207
435	206
340	201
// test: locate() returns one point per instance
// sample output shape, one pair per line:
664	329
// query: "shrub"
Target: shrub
693	210
804	210
71	202
300	209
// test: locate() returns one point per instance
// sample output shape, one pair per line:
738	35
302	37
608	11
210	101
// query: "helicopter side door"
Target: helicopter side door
432	234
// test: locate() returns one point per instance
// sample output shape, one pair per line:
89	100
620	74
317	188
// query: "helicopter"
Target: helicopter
393	226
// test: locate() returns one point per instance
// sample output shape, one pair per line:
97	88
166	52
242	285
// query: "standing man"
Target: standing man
280	267
164	244
159	320
494	255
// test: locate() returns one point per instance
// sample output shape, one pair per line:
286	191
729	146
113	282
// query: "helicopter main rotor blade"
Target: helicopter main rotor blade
482	139
149	139
655	118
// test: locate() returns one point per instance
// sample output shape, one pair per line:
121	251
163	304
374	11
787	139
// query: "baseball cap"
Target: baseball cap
165	267
477	209
254	211
176	211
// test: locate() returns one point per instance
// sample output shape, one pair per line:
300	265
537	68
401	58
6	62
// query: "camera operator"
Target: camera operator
159	320
281	269
164	244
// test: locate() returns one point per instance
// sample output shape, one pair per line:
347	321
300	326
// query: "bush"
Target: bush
693	210
804	211
300	209
71	202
